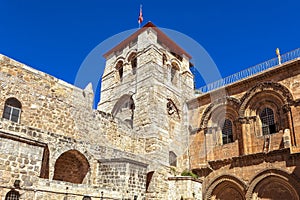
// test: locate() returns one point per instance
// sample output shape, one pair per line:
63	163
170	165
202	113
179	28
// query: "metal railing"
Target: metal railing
292	55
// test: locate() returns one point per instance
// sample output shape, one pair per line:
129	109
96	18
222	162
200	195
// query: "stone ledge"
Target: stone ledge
123	160
22	139
184	178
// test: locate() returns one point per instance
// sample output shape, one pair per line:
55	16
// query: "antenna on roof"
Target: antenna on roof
140	19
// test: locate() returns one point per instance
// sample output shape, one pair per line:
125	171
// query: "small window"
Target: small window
174	69
172	159
12	110
134	65
119	68
148	180
133	61
12	195
173	74
267	121
164	59
227	135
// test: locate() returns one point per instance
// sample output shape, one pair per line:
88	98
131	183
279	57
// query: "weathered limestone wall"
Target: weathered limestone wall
245	164
57	118
247	173
151	89
55	106
124	176
24	161
83	151
19	161
185	188
248	137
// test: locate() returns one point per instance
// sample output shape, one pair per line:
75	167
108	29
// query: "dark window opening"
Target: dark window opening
133	61
119	67
12	195
134	65
227	135
12	110
45	164
177	56
173	74
172	159
120	73
149	178
164	59
267	121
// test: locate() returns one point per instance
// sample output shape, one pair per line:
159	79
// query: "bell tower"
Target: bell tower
146	82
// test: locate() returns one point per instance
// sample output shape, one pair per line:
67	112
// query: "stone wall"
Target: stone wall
68	138
19	160
251	152
57	123
237	95
125	176
52	105
24	159
185	188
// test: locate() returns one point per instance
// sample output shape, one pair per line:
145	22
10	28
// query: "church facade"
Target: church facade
152	136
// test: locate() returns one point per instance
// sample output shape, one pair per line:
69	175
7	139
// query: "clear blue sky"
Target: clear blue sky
55	36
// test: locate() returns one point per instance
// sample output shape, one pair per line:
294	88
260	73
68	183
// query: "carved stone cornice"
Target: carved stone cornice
296	102
286	108
278	88
252	159
247	120
226	101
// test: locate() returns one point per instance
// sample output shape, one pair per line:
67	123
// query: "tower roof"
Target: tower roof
161	37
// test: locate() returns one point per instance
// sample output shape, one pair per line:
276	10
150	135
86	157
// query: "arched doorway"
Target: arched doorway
274	184
275	188
226	187
227	190
71	166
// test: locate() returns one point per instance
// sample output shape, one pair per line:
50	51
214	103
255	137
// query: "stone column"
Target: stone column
246	133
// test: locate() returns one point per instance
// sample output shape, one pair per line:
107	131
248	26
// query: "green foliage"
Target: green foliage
189	173
173	170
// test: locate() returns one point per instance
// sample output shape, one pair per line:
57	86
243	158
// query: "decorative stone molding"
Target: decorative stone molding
247	120
290	181
123	160
283	93
226	101
286	108
234	181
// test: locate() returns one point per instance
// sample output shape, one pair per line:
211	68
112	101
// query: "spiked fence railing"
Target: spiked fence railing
292	55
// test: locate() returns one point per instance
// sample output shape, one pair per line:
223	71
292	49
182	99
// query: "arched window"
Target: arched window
172	159
148	179
12	195
119	68
133	61
134	64
267	121
124	109
174	69
227	135
12	110
164	59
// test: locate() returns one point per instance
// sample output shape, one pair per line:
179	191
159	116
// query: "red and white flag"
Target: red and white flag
140	19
